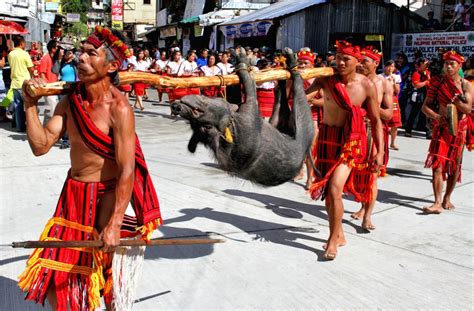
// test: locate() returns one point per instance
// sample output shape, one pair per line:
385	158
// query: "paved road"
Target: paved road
272	259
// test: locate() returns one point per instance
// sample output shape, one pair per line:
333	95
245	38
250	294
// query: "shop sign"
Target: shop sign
198	30
430	43
51	6
168	32
117	10
253	29
73	18
117	25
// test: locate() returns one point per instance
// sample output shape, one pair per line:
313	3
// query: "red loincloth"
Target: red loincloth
266	100
446	150
340	145
396	120
470	132
363	179
78	275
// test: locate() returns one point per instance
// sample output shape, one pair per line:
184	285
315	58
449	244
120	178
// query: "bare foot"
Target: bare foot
433	209
358	215
448	205
309	183
341	241
331	249
368	225
394	147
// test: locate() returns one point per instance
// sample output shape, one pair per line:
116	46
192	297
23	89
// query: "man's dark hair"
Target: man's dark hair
17	40
403	55
51	45
389	63
422	60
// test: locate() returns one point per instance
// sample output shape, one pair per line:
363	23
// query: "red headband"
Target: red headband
102	35
453	55
304	55
345	47
371	52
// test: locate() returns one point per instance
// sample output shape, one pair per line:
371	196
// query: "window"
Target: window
146	1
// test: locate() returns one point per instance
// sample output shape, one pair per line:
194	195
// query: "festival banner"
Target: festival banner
430	43
117	14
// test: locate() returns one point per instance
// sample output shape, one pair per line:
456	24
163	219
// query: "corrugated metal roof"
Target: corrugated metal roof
275	10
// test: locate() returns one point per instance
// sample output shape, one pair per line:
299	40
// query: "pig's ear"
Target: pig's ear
233	107
193	142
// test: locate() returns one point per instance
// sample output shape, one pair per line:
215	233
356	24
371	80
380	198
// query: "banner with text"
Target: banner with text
117	14
254	29
430	43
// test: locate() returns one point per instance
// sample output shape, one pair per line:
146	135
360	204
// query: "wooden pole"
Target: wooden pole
170	82
99	244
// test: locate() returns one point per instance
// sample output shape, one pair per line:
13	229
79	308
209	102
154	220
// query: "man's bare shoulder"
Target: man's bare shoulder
120	103
364	81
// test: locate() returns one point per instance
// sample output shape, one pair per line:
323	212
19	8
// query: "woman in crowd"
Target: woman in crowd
420	81
68	73
265	93
211	70
159	67
142	66
68	67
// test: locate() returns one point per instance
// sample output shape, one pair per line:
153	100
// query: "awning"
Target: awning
12	28
149	31
14	19
190	20
275	10
216	17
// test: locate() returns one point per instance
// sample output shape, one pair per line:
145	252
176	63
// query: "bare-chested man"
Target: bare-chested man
342	137
368	66
107	171
446	150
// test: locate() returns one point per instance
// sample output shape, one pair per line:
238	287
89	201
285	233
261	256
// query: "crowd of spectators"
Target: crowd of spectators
411	79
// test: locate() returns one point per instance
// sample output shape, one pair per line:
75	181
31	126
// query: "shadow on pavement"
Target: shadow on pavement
395	198
11	297
180	251
264	231
402	173
13	259
290	209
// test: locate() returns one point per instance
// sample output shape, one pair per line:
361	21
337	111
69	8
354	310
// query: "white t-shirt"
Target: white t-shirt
211	71
187	68
142	65
162	63
226	68
397	78
265	85
174	67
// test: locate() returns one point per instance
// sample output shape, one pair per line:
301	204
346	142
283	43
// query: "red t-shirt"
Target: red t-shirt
418	77
46	67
